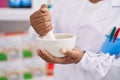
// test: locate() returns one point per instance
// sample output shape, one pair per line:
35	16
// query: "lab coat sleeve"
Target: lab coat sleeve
96	64
31	33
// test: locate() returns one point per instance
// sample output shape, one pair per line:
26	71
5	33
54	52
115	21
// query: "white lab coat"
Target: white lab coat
90	23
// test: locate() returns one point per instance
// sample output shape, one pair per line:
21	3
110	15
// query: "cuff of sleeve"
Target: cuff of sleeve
82	61
90	59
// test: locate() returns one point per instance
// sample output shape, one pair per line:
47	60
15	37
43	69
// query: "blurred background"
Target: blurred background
18	57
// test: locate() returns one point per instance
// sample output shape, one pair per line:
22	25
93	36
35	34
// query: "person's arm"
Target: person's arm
97	65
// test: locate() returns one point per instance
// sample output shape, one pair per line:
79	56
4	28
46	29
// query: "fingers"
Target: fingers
42	31
39	14
69	53
43	8
43	5
41	21
40	53
51	59
59	60
75	54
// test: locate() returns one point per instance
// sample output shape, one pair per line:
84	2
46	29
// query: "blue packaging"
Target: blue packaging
20	3
14	3
25	3
110	47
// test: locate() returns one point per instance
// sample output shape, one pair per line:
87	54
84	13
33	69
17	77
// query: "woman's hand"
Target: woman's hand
41	21
73	56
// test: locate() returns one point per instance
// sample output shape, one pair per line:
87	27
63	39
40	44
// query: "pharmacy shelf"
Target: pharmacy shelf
18	14
44	78
15	14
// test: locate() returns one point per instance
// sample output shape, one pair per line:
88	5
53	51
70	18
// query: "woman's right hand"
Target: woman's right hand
41	21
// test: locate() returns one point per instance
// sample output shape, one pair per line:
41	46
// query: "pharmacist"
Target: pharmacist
90	20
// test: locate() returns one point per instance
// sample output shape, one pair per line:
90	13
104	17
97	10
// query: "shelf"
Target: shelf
44	78
15	14
19	14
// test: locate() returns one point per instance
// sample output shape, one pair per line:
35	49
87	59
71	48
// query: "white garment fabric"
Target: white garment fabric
90	23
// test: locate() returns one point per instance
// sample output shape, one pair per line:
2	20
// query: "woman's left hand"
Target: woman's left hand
73	56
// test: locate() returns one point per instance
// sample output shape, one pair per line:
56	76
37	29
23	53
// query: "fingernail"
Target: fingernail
63	51
43	5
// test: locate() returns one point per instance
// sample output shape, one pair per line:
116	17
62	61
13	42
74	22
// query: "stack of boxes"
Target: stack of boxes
19	60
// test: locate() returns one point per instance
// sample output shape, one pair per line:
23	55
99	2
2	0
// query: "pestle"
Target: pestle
49	36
